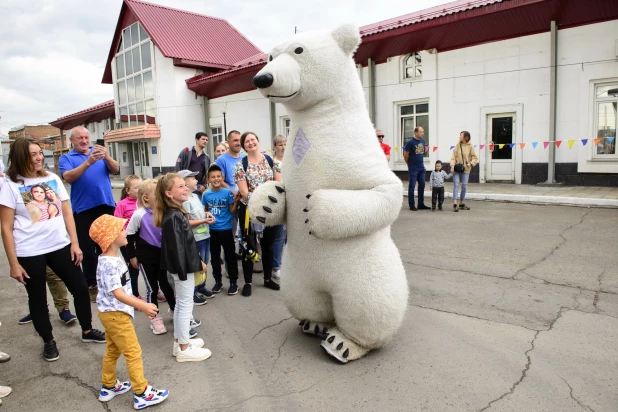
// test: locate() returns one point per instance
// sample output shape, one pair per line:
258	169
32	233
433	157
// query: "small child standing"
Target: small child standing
222	203
116	310
436	185
124	210
199	221
181	259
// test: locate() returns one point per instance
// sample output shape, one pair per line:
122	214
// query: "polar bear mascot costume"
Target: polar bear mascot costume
343	276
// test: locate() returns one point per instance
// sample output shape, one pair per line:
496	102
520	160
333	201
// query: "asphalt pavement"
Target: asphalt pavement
513	307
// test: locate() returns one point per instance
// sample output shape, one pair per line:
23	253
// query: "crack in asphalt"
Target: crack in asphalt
551	253
279	354
583	405
270	326
79	382
524	372
596	293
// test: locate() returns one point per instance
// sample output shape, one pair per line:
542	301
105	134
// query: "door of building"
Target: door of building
500	164
141	159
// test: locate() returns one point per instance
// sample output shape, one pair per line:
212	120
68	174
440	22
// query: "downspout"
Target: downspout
207	127
371	72
553	73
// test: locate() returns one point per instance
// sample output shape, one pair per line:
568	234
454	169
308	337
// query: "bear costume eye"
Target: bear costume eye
270	58
298	50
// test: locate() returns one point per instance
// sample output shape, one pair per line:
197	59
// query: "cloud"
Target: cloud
52	53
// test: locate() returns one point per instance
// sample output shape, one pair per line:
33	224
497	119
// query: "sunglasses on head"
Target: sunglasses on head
380	136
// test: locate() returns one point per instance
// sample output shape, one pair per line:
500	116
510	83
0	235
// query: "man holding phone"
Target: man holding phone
87	170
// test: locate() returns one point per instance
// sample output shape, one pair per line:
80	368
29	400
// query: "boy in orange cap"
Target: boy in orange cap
115	301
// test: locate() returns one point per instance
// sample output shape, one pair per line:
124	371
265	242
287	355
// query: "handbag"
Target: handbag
459	167
200	278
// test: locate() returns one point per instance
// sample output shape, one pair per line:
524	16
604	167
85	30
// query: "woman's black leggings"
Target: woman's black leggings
60	262
266	241
156	278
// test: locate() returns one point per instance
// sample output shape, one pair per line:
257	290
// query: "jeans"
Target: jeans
223	239
416	175
281	234
134	273
60	262
184	306
203	247
91	251
57	289
121	339
437	196
266	241
463	178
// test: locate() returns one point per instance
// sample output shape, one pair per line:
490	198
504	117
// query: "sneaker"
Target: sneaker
192	333
462	206
455	208
433	209
217	287
161	297
107	394
93	291
197	342
192	354
233	289
271	284
246	290
4	357
157	326
151	396
277	274
66	316
423	207
26	319
94	336
198	300
203	291
413	208
194	323
50	351
5	391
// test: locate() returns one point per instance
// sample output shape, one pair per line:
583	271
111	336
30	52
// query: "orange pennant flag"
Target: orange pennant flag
522	145
500	146
571	142
596	141
558	143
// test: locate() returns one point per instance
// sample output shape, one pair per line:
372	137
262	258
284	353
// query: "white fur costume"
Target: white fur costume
343	276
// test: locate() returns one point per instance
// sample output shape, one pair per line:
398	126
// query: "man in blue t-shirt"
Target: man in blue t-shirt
227	162
413	154
87	170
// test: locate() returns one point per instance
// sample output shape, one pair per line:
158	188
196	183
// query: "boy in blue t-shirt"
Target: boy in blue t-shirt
221	202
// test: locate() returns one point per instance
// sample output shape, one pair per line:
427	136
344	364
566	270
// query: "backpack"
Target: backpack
245	162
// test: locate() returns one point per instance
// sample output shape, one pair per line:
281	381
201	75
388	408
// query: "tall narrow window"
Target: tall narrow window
412	116
606	120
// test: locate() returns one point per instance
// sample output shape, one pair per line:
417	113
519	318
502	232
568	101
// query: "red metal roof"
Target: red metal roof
91	115
192	40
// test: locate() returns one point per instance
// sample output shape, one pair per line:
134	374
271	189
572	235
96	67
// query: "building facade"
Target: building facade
47	134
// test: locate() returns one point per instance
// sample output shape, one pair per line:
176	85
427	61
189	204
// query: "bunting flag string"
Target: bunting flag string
522	146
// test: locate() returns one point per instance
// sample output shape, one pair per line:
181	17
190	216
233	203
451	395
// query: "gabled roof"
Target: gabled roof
192	40
91	115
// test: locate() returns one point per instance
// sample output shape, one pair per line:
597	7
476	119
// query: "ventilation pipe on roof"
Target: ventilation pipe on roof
371	72
553	73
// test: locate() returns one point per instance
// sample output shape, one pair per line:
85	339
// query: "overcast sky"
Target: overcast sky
53	52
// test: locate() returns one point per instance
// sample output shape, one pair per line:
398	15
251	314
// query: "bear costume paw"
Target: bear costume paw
267	203
313	328
340	347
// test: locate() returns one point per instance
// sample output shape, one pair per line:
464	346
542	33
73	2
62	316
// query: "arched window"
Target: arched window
412	66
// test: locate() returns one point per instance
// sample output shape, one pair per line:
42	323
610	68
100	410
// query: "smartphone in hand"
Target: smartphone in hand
101	142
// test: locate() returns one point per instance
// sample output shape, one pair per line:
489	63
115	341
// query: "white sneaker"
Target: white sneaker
192	354
151	396
197	342
107	394
276	274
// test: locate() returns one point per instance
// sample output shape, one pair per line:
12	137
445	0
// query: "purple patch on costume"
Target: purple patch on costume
301	146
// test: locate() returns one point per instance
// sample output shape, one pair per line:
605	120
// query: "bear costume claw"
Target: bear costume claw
341	348
312	328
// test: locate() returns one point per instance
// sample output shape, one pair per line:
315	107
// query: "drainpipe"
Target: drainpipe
371	69
553	72
207	127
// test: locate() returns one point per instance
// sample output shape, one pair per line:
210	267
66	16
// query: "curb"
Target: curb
554	200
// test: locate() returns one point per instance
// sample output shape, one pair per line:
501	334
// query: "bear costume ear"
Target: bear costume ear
347	37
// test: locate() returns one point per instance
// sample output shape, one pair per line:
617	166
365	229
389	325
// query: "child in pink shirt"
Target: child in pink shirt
124	210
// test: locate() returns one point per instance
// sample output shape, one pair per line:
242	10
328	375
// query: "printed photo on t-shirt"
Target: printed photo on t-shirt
42	201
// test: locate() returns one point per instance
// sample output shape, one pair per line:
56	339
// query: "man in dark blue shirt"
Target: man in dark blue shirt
413	154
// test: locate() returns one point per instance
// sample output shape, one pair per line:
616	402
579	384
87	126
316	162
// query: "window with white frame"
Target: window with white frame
411	116
216	135
134	79
285	126
412	66
606	120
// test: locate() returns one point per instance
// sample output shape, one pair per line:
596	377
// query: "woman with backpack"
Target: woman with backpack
462	161
253	170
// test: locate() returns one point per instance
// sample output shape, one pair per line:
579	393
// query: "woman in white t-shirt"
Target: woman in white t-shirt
32	244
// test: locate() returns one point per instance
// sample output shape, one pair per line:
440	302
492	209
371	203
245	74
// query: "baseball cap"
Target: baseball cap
186	173
105	229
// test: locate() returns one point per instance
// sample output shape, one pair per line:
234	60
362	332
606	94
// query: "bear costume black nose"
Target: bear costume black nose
263	80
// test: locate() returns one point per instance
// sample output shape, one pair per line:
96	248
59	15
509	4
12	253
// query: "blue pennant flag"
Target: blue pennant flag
511	145
534	144
584	141
452	147
611	139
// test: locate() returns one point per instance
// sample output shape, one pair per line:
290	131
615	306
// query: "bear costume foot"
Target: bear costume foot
341	348
313	328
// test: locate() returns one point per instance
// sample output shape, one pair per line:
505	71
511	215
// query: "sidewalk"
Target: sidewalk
504	192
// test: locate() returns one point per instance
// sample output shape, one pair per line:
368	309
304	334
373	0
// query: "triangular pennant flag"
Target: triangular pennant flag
571	143
558	142
491	147
534	144
545	144
396	148
481	146
584	141
435	148
452	147
500	146
596	141
475	146
522	145
611	139
511	145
